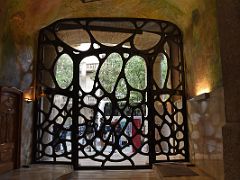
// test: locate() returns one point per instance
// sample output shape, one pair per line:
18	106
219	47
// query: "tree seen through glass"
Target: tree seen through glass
134	71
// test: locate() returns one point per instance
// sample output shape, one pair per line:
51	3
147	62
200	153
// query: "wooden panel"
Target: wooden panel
10	124
6	152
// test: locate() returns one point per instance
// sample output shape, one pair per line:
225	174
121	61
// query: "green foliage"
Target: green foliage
135	73
163	68
110	71
64	71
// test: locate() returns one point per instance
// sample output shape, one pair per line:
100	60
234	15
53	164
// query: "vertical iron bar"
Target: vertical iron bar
184	103
150	102
37	103
75	112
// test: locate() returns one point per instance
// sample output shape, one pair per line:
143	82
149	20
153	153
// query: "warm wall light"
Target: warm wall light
201	97
203	91
203	86
28	95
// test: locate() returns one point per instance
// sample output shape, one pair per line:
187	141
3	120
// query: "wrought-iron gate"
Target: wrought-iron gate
110	93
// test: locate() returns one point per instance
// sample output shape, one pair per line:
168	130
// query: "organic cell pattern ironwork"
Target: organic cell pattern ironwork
110	93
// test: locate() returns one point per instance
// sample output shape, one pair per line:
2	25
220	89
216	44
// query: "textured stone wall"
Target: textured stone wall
229	25
27	130
206	119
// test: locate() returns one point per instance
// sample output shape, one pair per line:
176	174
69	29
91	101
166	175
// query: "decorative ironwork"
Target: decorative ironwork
116	119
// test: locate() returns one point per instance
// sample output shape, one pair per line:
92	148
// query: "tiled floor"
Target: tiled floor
61	172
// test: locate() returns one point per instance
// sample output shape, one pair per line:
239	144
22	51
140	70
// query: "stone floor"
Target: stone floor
63	172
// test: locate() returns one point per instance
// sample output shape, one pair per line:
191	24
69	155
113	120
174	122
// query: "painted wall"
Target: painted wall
23	19
203	64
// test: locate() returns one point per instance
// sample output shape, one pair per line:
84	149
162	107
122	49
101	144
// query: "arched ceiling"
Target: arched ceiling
39	13
22	20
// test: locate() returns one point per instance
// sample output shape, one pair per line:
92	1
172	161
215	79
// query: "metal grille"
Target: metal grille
111	93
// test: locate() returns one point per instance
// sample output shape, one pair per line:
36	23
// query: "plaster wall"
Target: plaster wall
202	56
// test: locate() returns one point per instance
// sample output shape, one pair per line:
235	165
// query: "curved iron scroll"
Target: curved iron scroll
145	121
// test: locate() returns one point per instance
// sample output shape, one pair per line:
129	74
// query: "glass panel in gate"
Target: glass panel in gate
112	119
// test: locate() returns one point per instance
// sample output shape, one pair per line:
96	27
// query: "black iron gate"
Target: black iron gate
110	94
